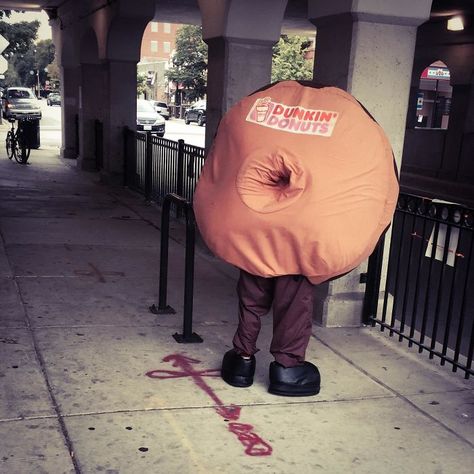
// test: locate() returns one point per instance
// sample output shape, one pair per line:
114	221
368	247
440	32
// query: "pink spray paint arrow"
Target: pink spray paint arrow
254	445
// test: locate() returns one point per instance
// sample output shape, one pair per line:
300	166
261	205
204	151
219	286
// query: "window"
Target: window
154	26
167	27
154	46
434	97
166	46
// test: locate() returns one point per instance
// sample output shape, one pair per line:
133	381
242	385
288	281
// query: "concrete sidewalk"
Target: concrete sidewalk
91	381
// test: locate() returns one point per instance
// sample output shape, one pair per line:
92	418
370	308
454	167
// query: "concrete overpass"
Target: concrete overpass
359	46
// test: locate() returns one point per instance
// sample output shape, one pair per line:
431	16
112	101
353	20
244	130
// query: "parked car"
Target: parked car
196	113
161	108
54	99
19	102
148	119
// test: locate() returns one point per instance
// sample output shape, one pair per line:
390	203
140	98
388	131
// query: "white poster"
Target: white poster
441	242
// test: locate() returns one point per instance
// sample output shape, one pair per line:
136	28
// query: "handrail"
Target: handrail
188	335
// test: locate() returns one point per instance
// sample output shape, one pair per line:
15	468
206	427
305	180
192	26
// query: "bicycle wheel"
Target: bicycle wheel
21	150
10	144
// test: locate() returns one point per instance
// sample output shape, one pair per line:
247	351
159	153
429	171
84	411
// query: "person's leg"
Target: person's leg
290	375
255	300
292	319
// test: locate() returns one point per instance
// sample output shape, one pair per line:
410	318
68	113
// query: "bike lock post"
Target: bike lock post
163	307
188	336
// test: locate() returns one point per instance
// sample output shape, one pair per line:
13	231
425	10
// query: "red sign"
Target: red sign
436	73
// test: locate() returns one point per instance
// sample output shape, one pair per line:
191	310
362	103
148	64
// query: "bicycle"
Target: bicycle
16	143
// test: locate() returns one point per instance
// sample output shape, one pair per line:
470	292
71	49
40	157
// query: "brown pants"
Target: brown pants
292	297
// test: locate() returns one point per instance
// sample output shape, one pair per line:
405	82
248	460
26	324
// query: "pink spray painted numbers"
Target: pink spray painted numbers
254	445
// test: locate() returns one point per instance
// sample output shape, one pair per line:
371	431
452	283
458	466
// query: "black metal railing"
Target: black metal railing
99	144
188	335
428	282
157	167
76	133
134	160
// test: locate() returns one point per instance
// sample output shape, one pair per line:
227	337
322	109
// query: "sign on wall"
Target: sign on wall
419	101
437	73
3	62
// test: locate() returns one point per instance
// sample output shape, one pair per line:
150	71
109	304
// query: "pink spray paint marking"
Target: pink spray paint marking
254	445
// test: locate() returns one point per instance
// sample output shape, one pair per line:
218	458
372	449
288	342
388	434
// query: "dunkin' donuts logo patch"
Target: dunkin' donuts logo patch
293	119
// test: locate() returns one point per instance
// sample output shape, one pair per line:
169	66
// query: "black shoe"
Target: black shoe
300	381
236	370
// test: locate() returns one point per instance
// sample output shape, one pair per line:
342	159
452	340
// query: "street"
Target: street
50	129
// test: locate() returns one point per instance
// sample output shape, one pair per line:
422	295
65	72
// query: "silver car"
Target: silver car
148	119
18	102
161	108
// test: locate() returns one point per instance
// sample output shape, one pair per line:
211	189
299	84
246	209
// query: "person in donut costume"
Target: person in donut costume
298	187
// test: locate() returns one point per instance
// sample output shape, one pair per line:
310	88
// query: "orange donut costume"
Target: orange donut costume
299	181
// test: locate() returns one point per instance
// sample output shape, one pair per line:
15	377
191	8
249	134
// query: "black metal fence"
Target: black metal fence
156	166
428	283
423	293
99	144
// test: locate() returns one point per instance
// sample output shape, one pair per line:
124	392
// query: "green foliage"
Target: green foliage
21	36
289	61
5	13
23	69
189	69
44	53
141	83
54	75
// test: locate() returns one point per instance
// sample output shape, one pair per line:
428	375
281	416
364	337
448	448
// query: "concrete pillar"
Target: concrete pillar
65	42
465	172
121	110
119	52
455	132
365	47
240	35
92	105
70	80
226	81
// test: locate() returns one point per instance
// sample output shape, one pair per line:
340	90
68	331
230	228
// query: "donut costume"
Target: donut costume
299	180
298	187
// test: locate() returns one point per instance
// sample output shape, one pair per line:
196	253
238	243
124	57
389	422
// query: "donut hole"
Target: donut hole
271	183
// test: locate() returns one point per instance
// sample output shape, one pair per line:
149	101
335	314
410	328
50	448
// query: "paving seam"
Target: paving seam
396	393
213	407
42	365
28	418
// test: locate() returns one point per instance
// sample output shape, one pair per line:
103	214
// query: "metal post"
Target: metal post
180	174
125	156
148	166
99	144
372	289
164	308
76	130
188	335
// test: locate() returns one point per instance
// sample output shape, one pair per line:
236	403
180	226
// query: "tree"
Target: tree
34	62
189	70
54	74
21	36
5	13
289	62
141	84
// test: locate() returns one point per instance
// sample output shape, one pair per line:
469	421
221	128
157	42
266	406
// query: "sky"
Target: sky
44	31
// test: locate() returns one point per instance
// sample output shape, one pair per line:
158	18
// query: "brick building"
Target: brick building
158	44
